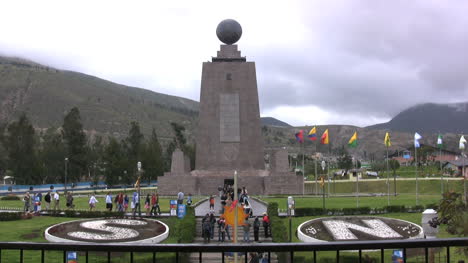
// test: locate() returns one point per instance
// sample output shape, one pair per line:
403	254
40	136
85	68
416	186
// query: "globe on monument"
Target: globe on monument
229	31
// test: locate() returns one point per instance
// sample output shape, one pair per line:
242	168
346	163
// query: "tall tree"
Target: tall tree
344	161
152	158
51	156
21	146
134	144
75	141
114	162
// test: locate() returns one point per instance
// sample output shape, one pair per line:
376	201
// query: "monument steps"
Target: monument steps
216	257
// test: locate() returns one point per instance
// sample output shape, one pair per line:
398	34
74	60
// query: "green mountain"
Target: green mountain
46	94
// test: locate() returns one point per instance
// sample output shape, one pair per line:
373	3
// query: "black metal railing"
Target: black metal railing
243	249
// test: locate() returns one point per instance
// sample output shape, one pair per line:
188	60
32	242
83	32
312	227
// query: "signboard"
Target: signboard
173	207
181	210
397	256
72	257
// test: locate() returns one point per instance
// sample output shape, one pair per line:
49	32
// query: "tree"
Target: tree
345	161
96	159
114	159
152	158
134	148
21	146
51	156
180	142
75	141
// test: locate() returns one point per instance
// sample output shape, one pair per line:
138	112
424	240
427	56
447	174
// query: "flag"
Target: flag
137	183
324	138
353	141
462	143
300	136
312	134
387	141
417	137
439	141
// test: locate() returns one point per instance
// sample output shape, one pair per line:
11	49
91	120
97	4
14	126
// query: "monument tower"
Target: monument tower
228	136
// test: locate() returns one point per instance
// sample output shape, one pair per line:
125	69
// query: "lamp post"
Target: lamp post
323	188
66	172
139	188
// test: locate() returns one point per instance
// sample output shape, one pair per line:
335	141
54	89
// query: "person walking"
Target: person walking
212	225
155	205
92	202
125	203
120	202
206	227
148	204
26	200
212	203
266	224
109	201
69	203
189	199
256	227
136	202
221	229
56	200
47	200
180	198
246	228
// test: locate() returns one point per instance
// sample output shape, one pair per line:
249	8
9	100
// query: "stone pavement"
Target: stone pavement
203	208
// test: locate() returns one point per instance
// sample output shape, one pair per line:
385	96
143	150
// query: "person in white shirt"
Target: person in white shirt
92	202
109	201
56	200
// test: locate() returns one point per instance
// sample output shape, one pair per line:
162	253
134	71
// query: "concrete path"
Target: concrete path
258	208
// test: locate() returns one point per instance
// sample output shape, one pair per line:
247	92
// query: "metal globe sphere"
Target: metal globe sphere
229	31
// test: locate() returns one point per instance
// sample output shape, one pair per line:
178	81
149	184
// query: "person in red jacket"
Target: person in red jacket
266	224
212	203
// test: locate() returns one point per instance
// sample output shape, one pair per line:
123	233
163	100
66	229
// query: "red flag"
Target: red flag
300	136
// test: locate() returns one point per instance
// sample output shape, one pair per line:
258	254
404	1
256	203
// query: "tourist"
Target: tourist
69	203
212	225
246	228
226	227
247	208
47	200
92	202
155	204
264	259
147	204
26	200
109	201
135	202
125	203
212	203
220	191
120	202
266	224
189	199
223	202
38	201
256	227
180	198
56	200
253	257
206	228
221	229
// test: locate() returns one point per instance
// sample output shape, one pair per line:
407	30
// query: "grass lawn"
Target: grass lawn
349	202
32	230
81	203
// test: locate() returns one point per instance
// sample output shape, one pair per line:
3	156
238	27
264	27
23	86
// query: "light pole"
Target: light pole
139	188
66	172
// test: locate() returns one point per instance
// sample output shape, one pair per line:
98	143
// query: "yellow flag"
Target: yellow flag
387	141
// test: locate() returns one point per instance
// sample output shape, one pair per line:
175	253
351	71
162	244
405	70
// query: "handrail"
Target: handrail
257	247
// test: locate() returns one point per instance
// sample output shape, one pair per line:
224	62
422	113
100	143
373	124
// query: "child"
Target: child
212	203
92	202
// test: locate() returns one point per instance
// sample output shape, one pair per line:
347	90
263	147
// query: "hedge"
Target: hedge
11	198
186	228
279	231
313	211
7	216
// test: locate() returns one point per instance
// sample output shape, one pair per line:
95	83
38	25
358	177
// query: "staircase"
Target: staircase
216	257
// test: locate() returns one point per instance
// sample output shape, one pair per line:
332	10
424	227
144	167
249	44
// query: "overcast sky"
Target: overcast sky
318	62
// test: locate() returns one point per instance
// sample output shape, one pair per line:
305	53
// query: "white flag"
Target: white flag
462	143
417	137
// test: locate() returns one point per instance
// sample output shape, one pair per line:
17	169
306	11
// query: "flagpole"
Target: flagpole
328	170
388	182
441	172
416	165
235	214
357	185
464	177
303	167
316	184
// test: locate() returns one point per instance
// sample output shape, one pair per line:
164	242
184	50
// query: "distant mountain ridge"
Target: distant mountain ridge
430	118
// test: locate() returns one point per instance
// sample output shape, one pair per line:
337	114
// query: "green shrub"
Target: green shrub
308	211
187	227
395	208
11	198
272	209
10	216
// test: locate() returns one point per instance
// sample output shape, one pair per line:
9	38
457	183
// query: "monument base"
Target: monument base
204	182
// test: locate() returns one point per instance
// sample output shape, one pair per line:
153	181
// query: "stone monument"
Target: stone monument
229	136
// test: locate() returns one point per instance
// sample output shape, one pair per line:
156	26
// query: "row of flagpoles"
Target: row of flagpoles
324	139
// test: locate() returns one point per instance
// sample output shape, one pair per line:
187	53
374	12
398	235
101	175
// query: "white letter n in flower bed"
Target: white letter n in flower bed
341	229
